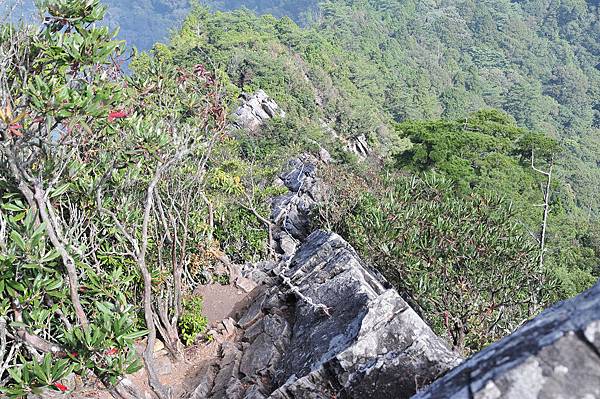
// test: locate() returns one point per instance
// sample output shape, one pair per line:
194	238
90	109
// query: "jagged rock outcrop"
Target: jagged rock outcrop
556	355
328	327
322	324
255	110
359	146
291	212
367	343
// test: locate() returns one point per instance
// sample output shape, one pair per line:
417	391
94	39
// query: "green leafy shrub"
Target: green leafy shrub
33	378
489	153
100	198
463	262
107	348
192	323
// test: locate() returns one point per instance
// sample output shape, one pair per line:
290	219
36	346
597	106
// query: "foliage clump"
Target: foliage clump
489	154
463	262
192	323
101	198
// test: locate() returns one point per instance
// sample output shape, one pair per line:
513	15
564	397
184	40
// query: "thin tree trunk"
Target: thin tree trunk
545	205
148	355
545	218
67	259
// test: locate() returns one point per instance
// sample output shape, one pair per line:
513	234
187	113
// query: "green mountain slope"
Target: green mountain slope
336	83
121	193
360	66
538	60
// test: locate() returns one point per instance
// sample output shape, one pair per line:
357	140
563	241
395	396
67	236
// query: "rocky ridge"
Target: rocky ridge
345	334
322	324
256	109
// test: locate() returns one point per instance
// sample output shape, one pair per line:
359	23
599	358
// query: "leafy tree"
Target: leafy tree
487	153
99	176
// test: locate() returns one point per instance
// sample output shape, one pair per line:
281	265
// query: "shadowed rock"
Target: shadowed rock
359	146
330	327
291	211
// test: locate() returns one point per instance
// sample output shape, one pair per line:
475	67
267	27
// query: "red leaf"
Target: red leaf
15	129
112	352
61	387
117	115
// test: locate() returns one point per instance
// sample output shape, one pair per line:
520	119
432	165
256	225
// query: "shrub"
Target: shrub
192	323
463	262
101	199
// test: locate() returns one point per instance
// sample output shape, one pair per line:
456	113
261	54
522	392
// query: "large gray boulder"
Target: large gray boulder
365	343
556	355
255	110
329	327
322	324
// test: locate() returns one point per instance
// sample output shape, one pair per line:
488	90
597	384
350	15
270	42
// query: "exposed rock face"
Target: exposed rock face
255	111
556	355
328	327
359	146
369	343
324	324
291	212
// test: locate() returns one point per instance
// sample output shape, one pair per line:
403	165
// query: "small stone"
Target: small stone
254	313
254	331
229	325
207	375
258	356
490	391
254	393
325	156
165	367
287	244
277	182
245	284
158	346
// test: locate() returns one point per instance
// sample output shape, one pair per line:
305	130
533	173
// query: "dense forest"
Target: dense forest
536	60
478	199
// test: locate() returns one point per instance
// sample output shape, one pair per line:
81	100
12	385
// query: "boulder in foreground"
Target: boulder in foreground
556	355
328	327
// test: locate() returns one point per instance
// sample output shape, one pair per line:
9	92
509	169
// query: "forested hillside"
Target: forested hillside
537	60
474	191
336	90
